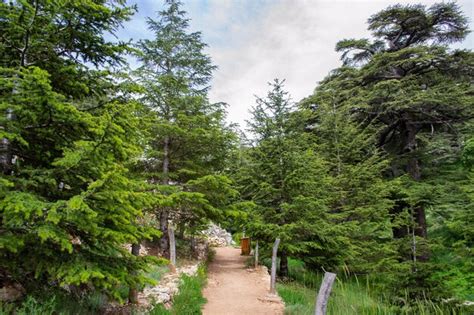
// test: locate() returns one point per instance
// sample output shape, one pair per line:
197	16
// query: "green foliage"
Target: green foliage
373	172
58	302
32	307
60	37
391	130
359	196
187	138
285	179
68	204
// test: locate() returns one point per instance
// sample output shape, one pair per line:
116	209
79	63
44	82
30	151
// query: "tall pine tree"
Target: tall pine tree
417	92
67	205
188	136
359	192
286	180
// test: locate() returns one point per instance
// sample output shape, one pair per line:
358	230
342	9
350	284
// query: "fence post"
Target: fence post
256	254
274	266
172	248
324	292
133	292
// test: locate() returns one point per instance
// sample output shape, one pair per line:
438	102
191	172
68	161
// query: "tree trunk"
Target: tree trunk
166	161
164	240
133	292
5	156
193	245
164	215
5	147
181	228
414	170
283	264
398	231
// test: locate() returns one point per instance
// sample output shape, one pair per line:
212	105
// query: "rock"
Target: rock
162	298
11	292
217	236
201	248
167	288
189	270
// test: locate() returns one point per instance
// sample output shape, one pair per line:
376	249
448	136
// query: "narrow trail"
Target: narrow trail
234	290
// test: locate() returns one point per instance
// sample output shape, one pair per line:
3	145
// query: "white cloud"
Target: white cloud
254	42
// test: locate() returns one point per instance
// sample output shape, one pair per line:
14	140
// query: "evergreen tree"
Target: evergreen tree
188	136
360	195
67	204
286	180
417	91
62	37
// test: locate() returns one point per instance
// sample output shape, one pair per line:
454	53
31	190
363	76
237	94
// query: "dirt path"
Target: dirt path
234	290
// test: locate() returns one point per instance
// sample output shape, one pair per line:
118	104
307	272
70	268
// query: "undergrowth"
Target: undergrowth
349	296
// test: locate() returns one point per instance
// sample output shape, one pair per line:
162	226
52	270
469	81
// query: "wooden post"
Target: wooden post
274	266
256	254
324	292
172	248
133	292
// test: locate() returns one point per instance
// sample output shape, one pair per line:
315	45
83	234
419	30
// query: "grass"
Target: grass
348	296
189	300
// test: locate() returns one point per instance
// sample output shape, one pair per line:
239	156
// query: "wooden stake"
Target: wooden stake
172	249
256	254
274	266
324	292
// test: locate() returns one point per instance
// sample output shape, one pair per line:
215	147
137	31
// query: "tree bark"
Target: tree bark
133	292
413	168
164	240
166	160
5	156
283	264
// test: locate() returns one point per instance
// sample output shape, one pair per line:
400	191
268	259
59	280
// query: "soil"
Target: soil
233	289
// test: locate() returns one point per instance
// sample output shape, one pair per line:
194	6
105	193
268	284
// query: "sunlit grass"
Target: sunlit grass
349	296
189	300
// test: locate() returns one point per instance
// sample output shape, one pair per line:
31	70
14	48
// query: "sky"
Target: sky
255	41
